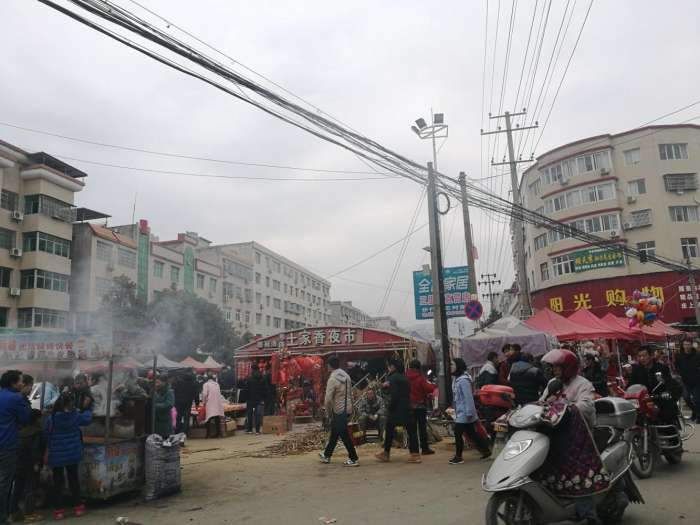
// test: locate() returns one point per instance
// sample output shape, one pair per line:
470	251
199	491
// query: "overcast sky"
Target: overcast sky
375	66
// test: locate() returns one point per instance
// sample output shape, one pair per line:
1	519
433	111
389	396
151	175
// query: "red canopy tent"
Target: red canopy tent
211	364
562	328
191	362
610	331
658	331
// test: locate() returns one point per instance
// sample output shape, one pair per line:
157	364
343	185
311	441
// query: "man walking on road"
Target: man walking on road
421	399
338	405
399	412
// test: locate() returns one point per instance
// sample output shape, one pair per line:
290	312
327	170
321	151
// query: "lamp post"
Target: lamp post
437	130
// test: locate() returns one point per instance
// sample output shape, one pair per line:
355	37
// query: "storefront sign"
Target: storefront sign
585	260
314	337
49	346
456	280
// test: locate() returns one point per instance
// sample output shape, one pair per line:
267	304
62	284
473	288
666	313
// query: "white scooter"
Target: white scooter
520	500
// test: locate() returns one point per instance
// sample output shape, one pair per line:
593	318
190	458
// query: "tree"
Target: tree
494	316
121	307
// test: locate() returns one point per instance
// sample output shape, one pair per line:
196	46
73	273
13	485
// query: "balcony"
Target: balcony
637	219
681	182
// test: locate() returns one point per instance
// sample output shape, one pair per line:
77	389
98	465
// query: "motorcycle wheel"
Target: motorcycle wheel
643	464
503	506
673	458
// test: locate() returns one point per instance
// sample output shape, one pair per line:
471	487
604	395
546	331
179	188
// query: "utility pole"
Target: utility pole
694	291
516	221
490	280
439	310
468	233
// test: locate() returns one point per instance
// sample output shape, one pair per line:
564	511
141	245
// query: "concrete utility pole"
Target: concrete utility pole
490	280
439	310
468	233
694	291
516	221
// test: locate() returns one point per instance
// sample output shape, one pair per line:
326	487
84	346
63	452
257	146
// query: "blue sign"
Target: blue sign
457	294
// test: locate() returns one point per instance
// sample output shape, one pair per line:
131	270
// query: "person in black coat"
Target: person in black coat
398	410
644	373
186	392
688	366
593	371
257	392
527	380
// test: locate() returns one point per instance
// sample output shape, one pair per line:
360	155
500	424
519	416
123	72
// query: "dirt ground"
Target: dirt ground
222	487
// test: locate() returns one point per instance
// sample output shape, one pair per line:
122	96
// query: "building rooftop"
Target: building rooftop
56	164
109	235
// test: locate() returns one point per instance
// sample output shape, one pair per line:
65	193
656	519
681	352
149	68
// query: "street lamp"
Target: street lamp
437	130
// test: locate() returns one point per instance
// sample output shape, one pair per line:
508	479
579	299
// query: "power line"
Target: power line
213	176
187	157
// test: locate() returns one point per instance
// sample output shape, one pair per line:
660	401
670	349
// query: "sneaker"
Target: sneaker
382	456
428	452
59	514
323	457
248	431
456	461
414	458
351	463
258	433
79	510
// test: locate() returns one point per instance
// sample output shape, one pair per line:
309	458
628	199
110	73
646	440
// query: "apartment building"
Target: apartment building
384	322
344	313
637	188
36	216
287	296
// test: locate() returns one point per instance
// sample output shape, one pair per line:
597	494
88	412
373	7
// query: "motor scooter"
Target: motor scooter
519	499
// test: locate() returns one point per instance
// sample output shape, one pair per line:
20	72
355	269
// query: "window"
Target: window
276	266
3	317
267	320
5	274
540	241
103	251
689	247
684	213
648	248
636	187
563	265
267	282
174	274
248	295
237	270
573	199
631	156
601	223
267	301
46	243
257	257
103	287
8	200
48	206
681	182
247	318
158	269
258	298
40	317
277	304
126	258
200	281
257	278
34	278
7	238
258	318
277	322
238	316
228	315
544	271
593	161
552	174
24	317
536	187
212	285
673	151
285	287
639	218
276	285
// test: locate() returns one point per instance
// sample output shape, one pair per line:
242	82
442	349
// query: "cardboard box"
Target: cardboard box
275	425
197	433
231	427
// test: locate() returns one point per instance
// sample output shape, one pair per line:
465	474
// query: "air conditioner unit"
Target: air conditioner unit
631	199
17	216
680	192
564	182
627	226
604	171
614	234
15	292
16	252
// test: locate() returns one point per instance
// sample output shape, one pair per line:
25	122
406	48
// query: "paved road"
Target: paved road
220	488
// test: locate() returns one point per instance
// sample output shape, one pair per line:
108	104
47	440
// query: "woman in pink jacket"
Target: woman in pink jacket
213	402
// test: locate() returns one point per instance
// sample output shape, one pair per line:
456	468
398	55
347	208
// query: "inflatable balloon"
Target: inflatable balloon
636	295
631	312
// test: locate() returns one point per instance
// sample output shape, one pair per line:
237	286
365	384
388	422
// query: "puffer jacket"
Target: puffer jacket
64	439
14	411
338	393
527	381
421	388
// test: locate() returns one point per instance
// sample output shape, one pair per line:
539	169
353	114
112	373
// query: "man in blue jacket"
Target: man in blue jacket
15	410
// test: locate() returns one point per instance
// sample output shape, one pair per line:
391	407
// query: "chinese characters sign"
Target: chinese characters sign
309	338
457	294
598	258
48	346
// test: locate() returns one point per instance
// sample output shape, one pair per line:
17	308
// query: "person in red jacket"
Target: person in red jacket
421	399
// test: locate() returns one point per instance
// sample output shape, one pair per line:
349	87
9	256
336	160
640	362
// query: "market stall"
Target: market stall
564	329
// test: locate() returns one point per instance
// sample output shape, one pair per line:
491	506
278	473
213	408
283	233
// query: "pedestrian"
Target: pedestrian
512	355
593	371
338	405
29	459
488	375
164	401
14	411
270	399
255	404
213	403
688	366
64	442
465	413
421	399
80	391
186	393
227	381
527	380
398	413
